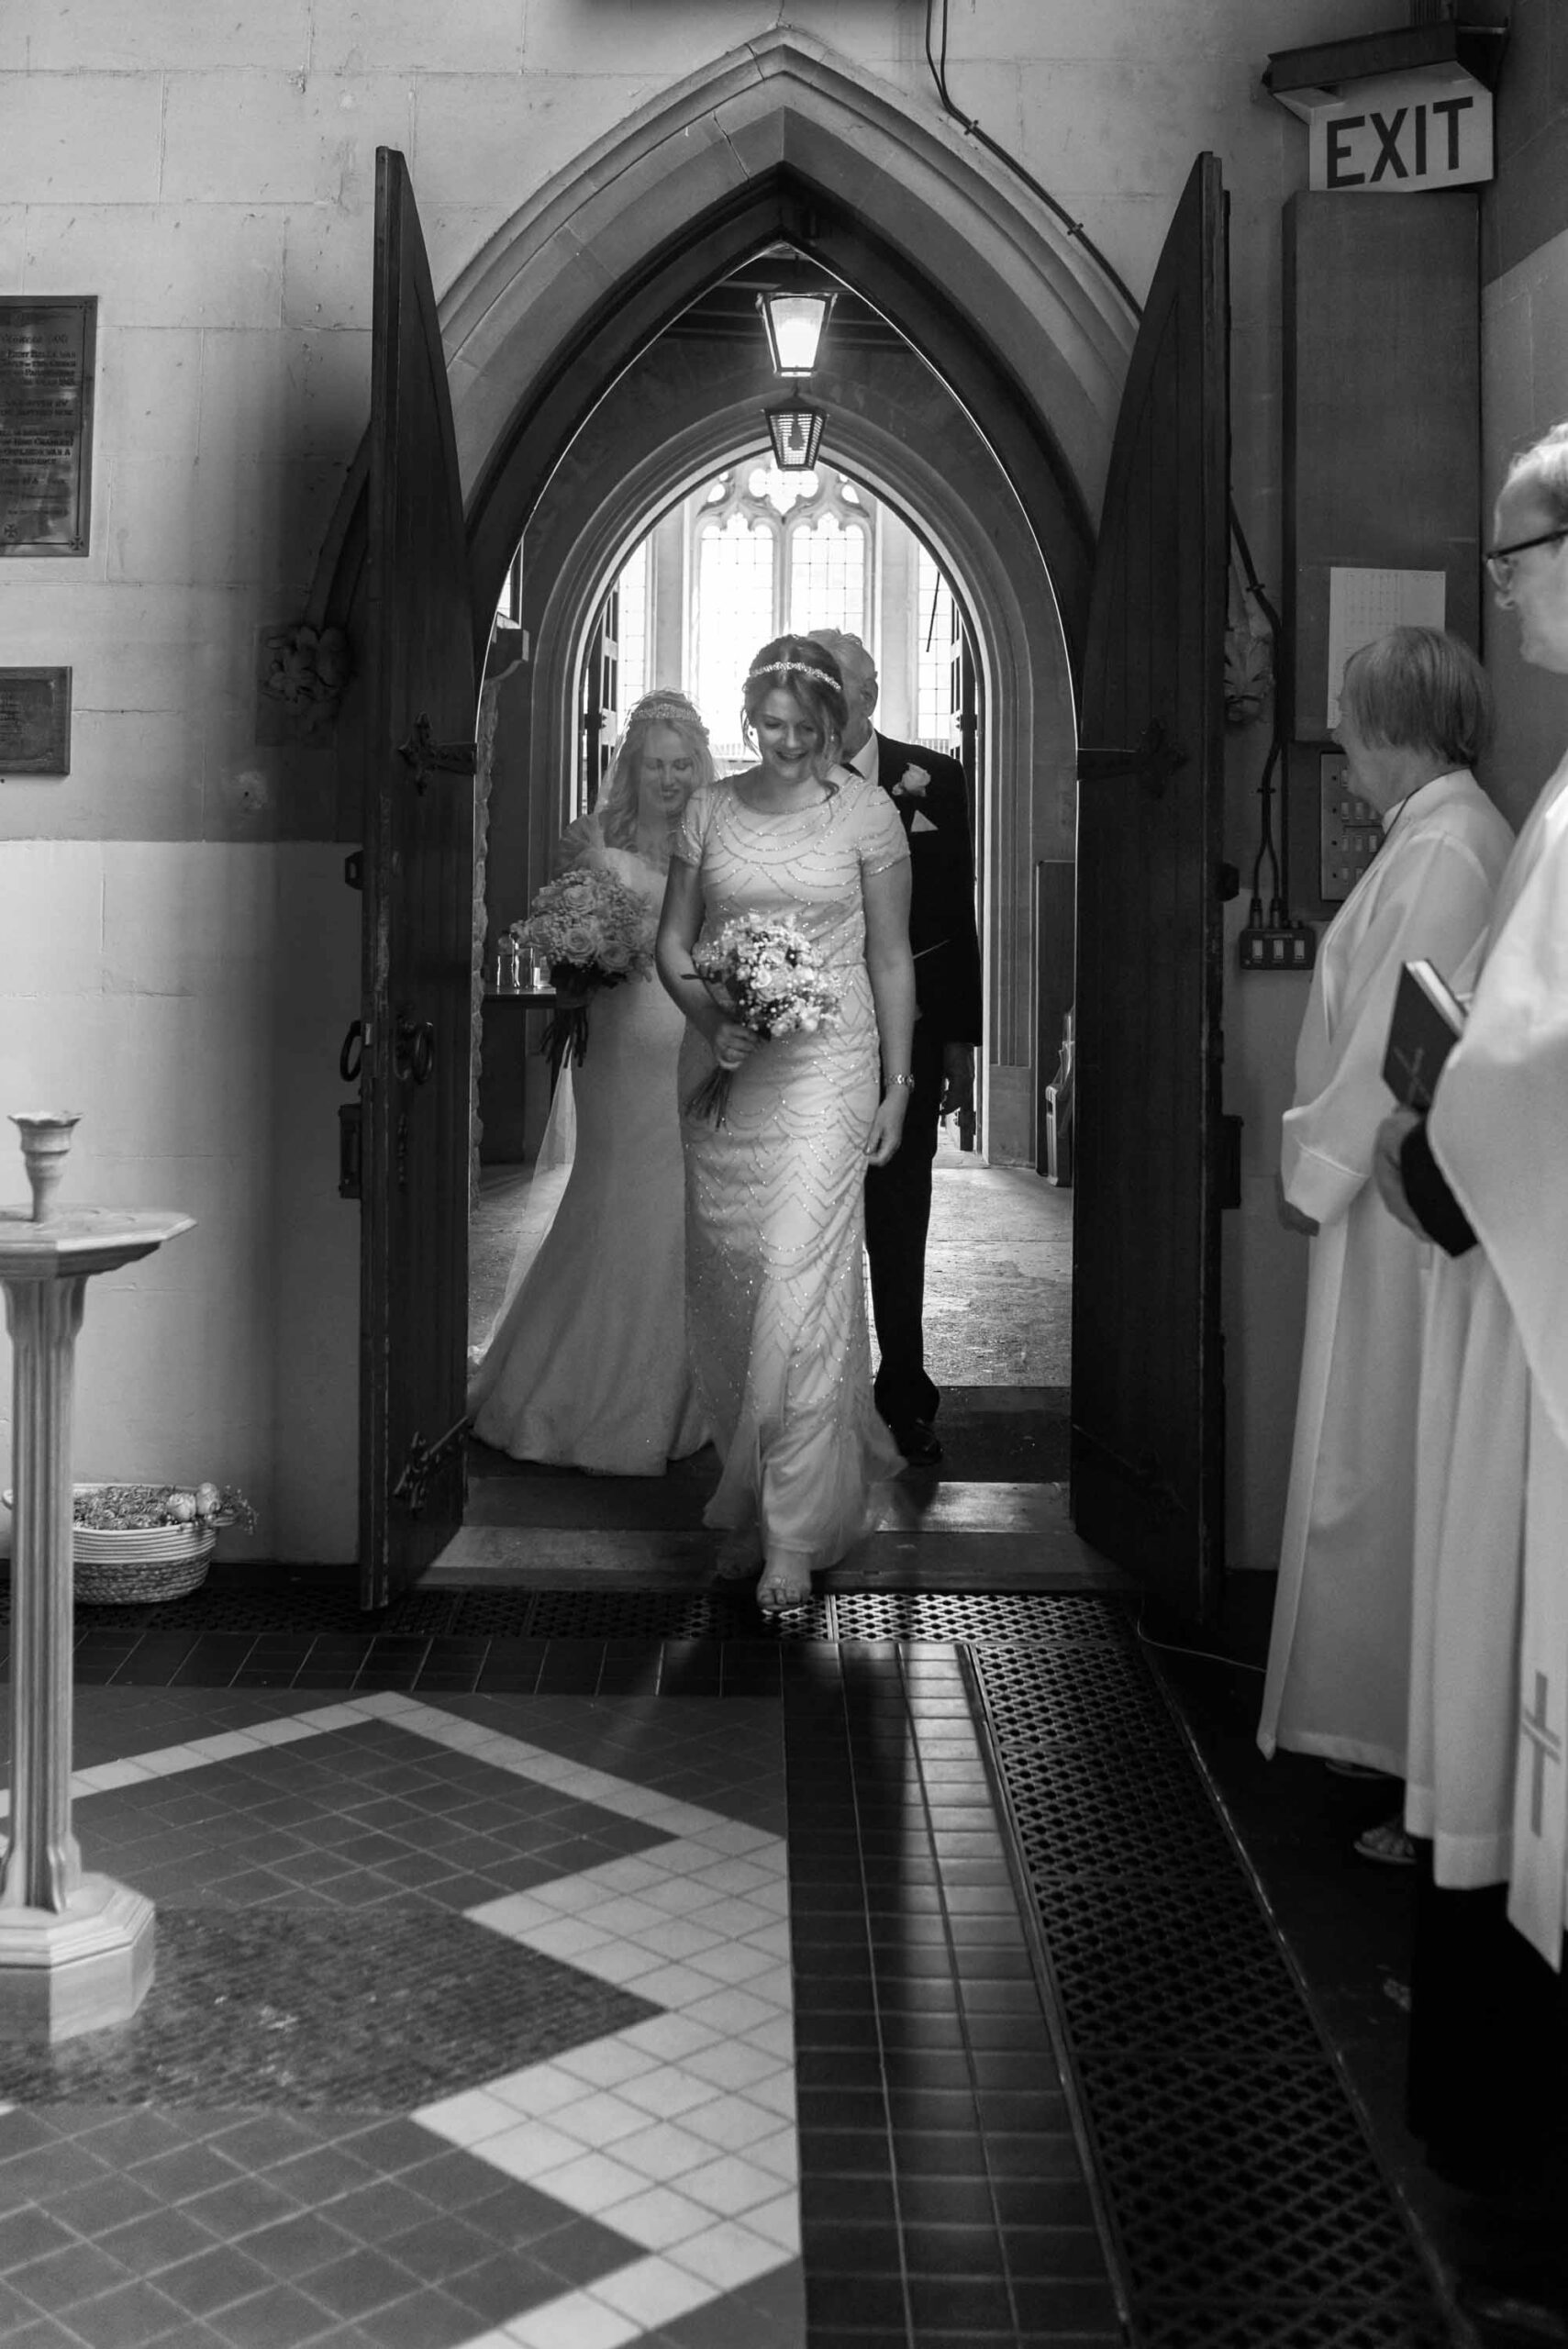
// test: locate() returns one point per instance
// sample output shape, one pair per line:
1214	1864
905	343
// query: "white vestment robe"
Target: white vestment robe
1338	1657
1489	1658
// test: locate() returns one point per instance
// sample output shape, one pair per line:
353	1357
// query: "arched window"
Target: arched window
771	550
827	574
938	640
634	628
735	595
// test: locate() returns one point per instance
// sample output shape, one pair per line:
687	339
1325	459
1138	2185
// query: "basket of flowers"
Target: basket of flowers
134	1543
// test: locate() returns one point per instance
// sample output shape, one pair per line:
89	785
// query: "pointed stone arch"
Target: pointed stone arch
682	413
779	138
783	138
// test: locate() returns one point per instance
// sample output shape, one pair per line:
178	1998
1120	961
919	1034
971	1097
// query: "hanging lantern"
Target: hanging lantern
795	323
794	427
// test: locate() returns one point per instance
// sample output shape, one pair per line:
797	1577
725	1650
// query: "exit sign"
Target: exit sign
1398	133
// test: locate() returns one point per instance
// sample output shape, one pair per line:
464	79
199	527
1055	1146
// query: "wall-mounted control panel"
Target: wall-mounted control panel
1350	830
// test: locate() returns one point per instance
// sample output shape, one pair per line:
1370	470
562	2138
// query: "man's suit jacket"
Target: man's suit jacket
942	935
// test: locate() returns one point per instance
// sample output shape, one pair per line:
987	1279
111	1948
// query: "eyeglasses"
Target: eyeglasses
1500	561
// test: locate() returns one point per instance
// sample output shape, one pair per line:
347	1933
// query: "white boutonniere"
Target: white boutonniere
912	784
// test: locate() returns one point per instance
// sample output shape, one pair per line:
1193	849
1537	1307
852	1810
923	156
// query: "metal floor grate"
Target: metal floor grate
1246	2203
296	1607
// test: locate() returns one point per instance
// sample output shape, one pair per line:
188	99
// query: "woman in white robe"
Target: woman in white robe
1486	1174
1414	711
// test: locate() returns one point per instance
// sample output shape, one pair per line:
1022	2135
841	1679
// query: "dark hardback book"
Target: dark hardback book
1428	1021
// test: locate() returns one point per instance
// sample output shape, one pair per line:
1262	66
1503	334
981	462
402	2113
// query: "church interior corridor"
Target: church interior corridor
998	1309
889	519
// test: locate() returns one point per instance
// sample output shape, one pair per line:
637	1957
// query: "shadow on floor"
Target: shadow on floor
1348	1924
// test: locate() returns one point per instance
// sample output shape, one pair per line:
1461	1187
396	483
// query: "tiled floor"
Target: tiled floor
482	2016
471	2023
695	1993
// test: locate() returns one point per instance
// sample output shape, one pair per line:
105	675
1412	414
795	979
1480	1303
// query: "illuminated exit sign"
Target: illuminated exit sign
1395	135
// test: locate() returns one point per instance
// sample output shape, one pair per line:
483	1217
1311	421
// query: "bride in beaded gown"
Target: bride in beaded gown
776	1219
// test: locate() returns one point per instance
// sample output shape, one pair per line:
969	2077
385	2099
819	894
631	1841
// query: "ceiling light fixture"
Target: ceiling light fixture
794	427
795	323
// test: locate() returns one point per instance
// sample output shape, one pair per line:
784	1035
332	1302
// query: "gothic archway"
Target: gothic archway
780	138
680	415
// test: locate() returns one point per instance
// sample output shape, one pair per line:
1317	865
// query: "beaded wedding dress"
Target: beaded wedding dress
776	1217
587	1367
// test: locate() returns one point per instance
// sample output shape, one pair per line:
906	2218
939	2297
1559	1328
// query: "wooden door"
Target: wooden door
417	880
1148	1388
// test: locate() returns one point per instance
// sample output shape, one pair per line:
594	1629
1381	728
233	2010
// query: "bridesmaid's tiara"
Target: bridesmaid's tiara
792	668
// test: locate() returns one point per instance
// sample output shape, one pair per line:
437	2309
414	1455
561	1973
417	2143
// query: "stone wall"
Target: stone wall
178	958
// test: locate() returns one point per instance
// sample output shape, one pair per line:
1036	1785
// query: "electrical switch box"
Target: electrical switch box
1350	830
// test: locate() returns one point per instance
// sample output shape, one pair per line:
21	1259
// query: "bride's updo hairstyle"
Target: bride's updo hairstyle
810	673
616	804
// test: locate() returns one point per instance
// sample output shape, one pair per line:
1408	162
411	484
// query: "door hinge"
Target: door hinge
1149	762
426	757
422	1462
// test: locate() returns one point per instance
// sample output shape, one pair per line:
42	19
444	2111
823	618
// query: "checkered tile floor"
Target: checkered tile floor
473	2024
683	1993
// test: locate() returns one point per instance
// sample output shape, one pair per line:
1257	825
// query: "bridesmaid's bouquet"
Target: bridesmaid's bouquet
763	970
594	931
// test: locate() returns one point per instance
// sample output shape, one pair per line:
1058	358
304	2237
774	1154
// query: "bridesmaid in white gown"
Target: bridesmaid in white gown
587	1365
776	1217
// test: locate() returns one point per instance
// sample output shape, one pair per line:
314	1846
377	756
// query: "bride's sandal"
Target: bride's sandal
784	1592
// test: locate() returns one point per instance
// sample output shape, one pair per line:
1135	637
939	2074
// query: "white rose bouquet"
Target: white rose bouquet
594	931
765	974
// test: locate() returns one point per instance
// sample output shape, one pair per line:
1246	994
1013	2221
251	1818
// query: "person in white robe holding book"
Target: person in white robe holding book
1414	713
1486	1174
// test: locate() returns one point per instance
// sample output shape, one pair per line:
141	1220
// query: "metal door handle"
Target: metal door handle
415	1058
352	1053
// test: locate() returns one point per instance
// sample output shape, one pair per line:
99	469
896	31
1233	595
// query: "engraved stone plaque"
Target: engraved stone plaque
46	423
35	722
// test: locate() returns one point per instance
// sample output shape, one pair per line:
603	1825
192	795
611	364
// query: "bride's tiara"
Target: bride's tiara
676	713
793	668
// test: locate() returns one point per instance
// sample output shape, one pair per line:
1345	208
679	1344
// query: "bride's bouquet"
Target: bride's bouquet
765	972
594	931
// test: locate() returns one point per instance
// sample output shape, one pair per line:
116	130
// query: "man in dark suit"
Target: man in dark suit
929	792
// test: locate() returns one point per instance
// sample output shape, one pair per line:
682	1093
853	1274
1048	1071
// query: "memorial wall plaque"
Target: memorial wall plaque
46	423
35	722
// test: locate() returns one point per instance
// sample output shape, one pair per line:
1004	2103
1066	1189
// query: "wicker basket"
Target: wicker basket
126	1565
